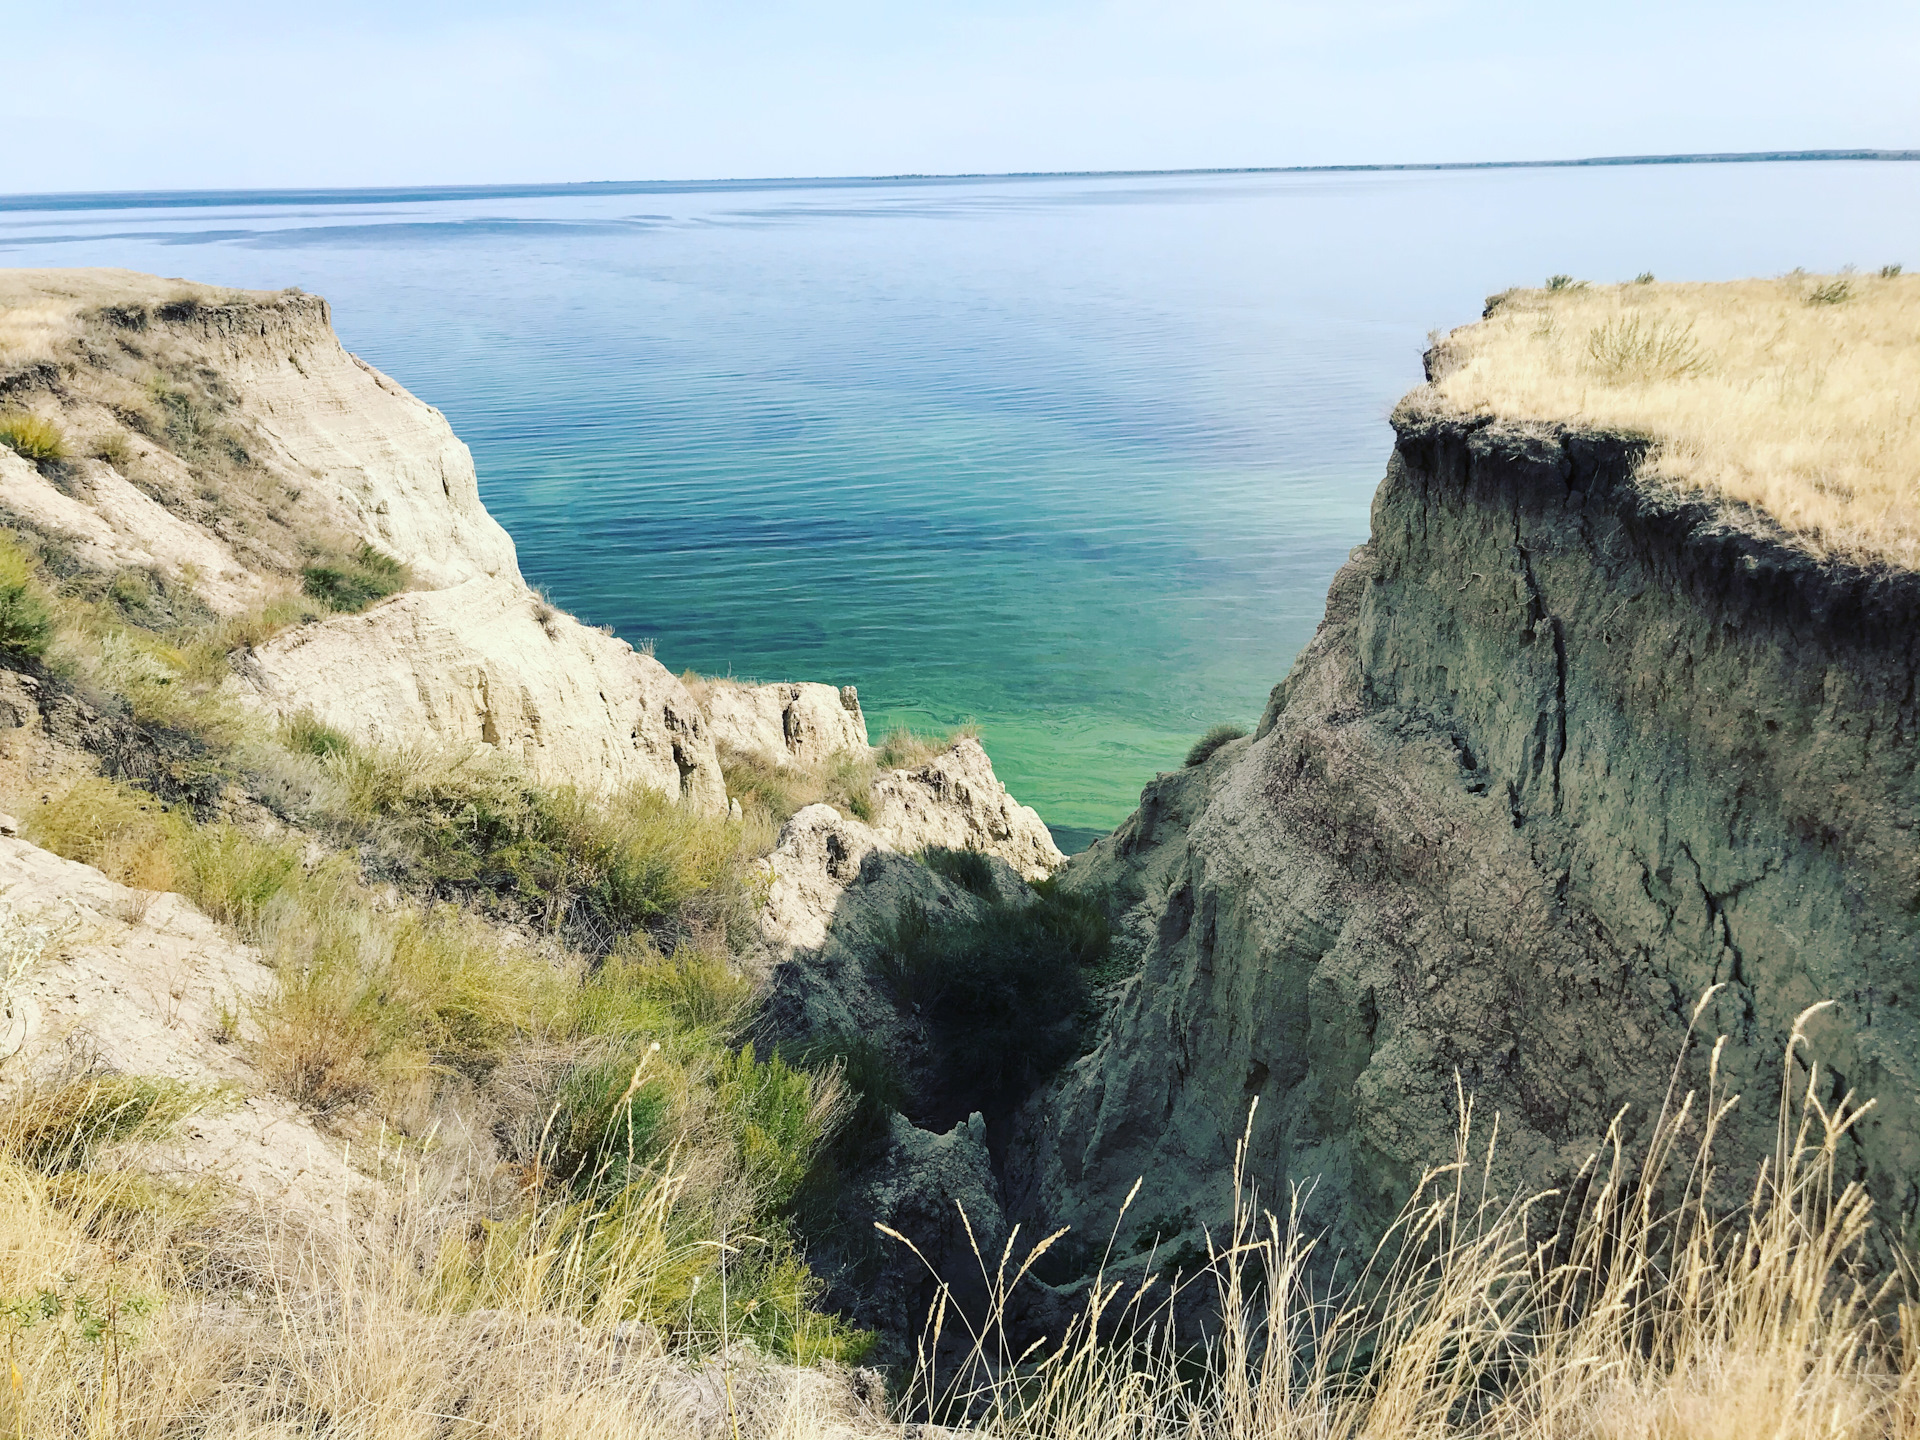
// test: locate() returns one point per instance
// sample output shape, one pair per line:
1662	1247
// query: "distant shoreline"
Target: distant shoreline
188	199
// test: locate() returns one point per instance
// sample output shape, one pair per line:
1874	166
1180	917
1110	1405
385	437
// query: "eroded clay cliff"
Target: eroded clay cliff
1566	751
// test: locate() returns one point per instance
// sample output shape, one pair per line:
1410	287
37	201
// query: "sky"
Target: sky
219	93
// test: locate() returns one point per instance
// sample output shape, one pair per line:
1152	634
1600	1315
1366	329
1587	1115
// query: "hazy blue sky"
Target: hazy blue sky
223	93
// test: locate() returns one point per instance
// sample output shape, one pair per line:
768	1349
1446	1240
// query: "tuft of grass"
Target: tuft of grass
1565	282
1890	272
350	583
125	833
307	735
1632	349
32	437
1836	291
26	619
969	869
1204	747
60	1125
1645	277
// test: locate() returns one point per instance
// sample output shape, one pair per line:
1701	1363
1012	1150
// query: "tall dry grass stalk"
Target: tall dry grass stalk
1627	1306
1796	394
272	1324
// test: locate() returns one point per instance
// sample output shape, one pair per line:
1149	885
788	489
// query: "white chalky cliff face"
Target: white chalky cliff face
489	663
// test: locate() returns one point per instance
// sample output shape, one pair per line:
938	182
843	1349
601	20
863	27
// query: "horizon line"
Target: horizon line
114	199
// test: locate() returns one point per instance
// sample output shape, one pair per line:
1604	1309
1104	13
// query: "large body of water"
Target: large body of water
1073	458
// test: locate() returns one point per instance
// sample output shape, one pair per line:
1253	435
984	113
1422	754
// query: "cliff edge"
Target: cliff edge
1575	744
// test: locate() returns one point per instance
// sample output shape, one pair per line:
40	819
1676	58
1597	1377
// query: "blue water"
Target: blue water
1070	457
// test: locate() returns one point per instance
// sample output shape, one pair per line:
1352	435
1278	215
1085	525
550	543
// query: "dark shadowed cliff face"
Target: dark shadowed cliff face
1564	753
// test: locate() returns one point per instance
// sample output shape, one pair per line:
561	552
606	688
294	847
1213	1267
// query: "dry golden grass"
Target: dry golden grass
35	330
1628	1310
1800	395
259	1324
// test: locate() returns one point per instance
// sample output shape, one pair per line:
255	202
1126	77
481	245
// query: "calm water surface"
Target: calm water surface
1072	458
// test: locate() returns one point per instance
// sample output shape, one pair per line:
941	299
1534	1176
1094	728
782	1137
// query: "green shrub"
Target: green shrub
1204	747
969	869
32	437
1565	282
1645	277
1003	992
26	620
307	735
1890	272
351	583
875	1091
1834	292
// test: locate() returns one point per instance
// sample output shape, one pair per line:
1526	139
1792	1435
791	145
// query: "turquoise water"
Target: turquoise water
1073	458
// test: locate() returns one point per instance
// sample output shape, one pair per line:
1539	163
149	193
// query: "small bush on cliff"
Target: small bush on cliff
969	869
32	437
903	749
1204	747
1004	992
351	583
26	621
1632	349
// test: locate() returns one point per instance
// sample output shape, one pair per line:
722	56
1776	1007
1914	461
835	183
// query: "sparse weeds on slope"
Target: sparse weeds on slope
659	1129
772	794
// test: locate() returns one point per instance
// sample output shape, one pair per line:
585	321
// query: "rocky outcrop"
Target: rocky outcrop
384	461
786	724
835	890
100	979
488	663
1566	751
956	802
239	415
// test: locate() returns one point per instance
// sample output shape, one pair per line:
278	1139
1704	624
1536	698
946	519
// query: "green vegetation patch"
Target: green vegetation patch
32	437
26	618
1204	747
350	583
1005	993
